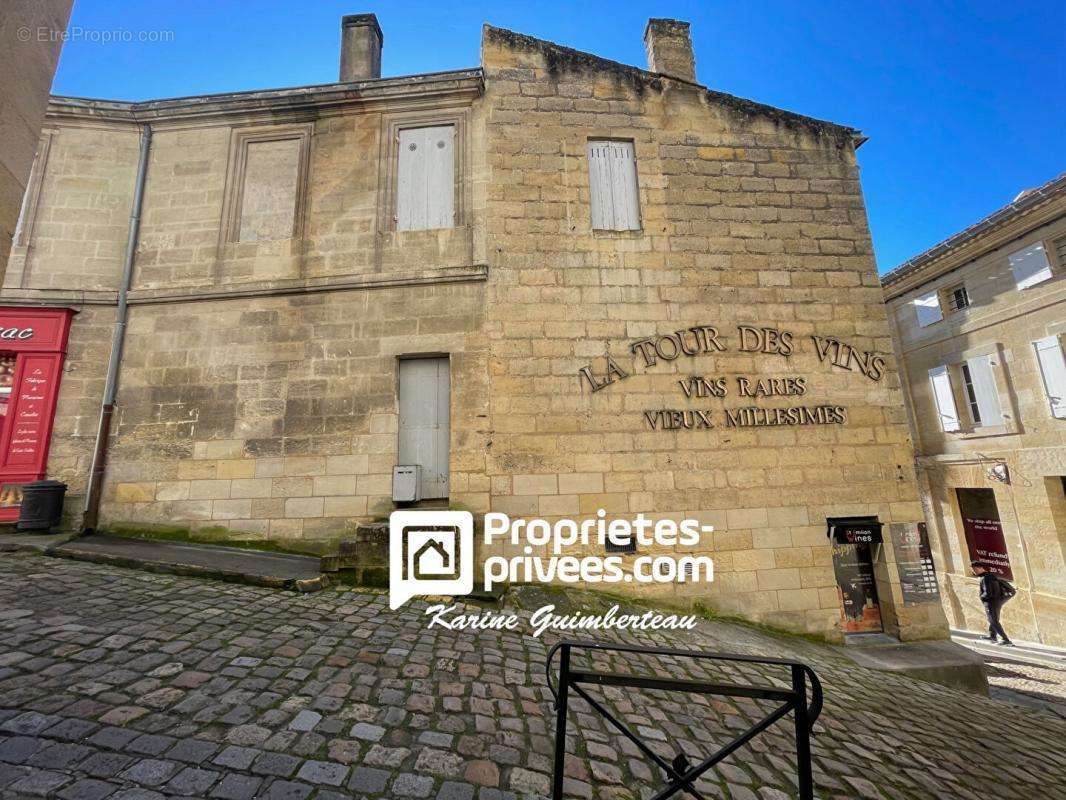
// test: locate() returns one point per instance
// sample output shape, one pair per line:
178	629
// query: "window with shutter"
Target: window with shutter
945	399
1030	265
1053	371
927	308
985	393
613	192
425	178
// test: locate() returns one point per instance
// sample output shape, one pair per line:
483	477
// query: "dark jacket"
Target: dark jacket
991	591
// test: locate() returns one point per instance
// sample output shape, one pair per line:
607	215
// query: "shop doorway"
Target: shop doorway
984	530
425	421
852	541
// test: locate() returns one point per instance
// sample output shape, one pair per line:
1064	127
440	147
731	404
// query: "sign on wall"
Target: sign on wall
984	530
914	562
760	342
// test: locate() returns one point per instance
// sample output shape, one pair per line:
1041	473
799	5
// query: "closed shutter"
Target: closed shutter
1053	370
927	307
425	178
425	424
1059	247
945	399
984	389
614	195
1030	266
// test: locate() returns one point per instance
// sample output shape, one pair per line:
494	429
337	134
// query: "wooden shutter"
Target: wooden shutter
1053	370
984	388
1030	266
425	424
945	399
927	307
425	178
614	195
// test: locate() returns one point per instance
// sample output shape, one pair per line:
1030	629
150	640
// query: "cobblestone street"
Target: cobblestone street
115	683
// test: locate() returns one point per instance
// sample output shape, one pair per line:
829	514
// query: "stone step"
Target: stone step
237	565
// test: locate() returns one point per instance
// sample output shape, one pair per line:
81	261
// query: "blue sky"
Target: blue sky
963	102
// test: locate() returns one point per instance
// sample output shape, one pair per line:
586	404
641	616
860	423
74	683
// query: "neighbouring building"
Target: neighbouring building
31	36
546	286
980	322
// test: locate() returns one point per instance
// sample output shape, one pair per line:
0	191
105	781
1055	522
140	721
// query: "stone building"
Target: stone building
555	283
30	41
979	323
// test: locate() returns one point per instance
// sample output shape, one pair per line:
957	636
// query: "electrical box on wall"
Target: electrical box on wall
405	482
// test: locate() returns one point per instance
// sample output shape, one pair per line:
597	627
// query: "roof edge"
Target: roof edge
1022	204
559	55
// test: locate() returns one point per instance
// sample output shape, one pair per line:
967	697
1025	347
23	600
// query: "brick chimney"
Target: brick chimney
361	41
669	49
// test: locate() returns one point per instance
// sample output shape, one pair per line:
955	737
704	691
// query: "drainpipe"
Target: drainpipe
107	409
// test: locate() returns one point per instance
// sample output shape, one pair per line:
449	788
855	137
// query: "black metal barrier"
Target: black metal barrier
680	774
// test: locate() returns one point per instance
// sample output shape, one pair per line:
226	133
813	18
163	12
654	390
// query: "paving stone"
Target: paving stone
150	771
113	738
60	756
150	744
237	787
104	764
29	722
72	729
367	732
279	764
38	783
450	790
192	781
194	751
88	789
237	757
305	721
323	772
368	780
287	790
407	784
19	749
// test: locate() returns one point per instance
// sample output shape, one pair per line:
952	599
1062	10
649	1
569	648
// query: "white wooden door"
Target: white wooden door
425	421
425	178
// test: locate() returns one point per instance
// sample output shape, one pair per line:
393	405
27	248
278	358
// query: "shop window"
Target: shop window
927	307
957	298
1030	265
266	189
1052	365
425	178
983	530
614	196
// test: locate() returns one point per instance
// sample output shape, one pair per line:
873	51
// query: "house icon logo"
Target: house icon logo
430	553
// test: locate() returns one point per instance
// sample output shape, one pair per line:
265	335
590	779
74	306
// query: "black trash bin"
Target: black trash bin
42	505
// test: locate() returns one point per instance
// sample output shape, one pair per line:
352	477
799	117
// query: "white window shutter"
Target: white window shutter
928	309
425	178
984	389
1053	369
945	399
1030	266
600	197
614	195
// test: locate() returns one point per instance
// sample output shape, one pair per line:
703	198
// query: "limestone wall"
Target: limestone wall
750	218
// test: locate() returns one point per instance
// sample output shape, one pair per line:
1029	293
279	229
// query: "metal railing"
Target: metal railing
680	774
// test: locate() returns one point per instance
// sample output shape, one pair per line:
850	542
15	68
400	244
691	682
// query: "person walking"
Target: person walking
994	593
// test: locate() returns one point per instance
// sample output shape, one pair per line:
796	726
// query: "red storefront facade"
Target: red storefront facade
33	346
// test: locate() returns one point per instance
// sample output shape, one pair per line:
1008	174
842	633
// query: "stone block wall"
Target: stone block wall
749	217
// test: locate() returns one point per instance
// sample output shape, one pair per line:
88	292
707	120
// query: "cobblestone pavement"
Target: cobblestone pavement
1036	683
115	683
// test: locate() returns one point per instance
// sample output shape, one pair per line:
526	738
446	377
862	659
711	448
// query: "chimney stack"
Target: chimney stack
669	48
361	41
